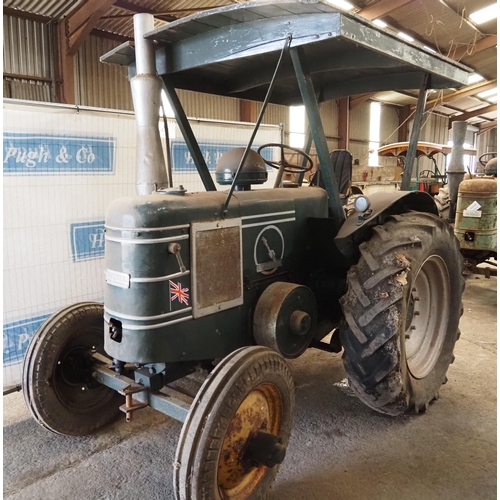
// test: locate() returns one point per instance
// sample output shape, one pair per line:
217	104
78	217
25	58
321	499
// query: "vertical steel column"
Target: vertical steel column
316	127
415	133
187	133
456	168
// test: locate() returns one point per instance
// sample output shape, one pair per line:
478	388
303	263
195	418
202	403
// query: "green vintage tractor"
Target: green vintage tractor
476	219
229	283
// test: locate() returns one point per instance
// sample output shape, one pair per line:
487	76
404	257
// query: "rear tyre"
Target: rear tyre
57	381
402	310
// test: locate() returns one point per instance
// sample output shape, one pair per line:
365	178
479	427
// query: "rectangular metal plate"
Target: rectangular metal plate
216	255
115	278
473	213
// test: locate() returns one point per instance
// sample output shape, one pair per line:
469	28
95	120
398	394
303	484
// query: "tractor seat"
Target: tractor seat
341	161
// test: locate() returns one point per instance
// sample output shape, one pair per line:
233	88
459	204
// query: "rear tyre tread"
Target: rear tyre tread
371	333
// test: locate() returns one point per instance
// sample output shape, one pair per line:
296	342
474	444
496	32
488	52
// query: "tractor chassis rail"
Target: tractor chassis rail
138	396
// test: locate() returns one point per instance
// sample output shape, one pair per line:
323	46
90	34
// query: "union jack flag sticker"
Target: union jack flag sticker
179	293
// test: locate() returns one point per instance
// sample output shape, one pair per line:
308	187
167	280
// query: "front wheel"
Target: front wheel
236	433
402	310
57	379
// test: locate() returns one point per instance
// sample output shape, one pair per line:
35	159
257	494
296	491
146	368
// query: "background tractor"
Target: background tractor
227	284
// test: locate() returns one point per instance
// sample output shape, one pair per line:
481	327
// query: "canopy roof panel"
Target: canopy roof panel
233	51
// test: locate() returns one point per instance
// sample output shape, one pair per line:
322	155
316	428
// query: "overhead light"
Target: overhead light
484	15
487	93
406	37
341	4
428	48
380	23
474	78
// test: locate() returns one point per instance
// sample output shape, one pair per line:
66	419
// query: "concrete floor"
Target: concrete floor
339	449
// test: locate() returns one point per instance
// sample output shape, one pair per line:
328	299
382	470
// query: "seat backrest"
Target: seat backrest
341	161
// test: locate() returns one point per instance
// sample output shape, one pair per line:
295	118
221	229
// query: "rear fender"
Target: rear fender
382	204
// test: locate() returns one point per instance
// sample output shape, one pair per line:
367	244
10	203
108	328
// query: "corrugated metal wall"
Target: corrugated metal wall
97	84
434	129
26	52
198	105
486	143
359	132
389	124
329	112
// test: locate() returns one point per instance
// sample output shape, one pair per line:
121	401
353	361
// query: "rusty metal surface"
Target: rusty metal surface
476	216
218	275
273	325
478	185
238	475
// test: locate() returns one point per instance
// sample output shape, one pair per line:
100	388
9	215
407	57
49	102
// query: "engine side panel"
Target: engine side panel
149	296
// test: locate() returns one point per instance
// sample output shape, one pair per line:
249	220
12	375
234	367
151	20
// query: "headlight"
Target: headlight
361	204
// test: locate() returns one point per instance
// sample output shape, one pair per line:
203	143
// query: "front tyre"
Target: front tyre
237	430
57	379
402	309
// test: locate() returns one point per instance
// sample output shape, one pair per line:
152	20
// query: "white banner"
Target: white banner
63	165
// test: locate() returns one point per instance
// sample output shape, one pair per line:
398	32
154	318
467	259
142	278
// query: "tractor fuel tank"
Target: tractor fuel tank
181	282
476	216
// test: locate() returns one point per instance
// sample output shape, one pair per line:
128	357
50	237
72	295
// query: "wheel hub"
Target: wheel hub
427	316
76	366
251	444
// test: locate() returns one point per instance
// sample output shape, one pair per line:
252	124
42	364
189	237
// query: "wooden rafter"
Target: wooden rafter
479	46
460	94
484	127
359	99
472	114
8	11
111	36
138	9
382	8
80	22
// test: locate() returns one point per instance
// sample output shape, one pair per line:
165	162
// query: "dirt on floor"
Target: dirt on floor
339	449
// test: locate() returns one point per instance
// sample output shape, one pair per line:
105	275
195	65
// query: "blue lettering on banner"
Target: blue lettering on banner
184	162
17	336
57	154
87	240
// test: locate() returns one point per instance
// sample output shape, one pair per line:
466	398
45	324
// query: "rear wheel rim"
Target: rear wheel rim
428	316
237	476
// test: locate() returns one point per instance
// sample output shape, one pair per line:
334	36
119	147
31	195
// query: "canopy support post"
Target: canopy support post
187	133
415	133
318	135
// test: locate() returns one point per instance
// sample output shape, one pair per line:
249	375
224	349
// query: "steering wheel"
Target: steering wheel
480	159
287	167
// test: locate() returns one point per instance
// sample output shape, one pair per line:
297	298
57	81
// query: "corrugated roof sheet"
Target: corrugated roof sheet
49	8
435	23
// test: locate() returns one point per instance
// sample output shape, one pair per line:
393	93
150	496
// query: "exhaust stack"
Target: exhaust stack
146	95
456	169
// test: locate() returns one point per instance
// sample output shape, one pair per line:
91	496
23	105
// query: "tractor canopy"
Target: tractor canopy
232	51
